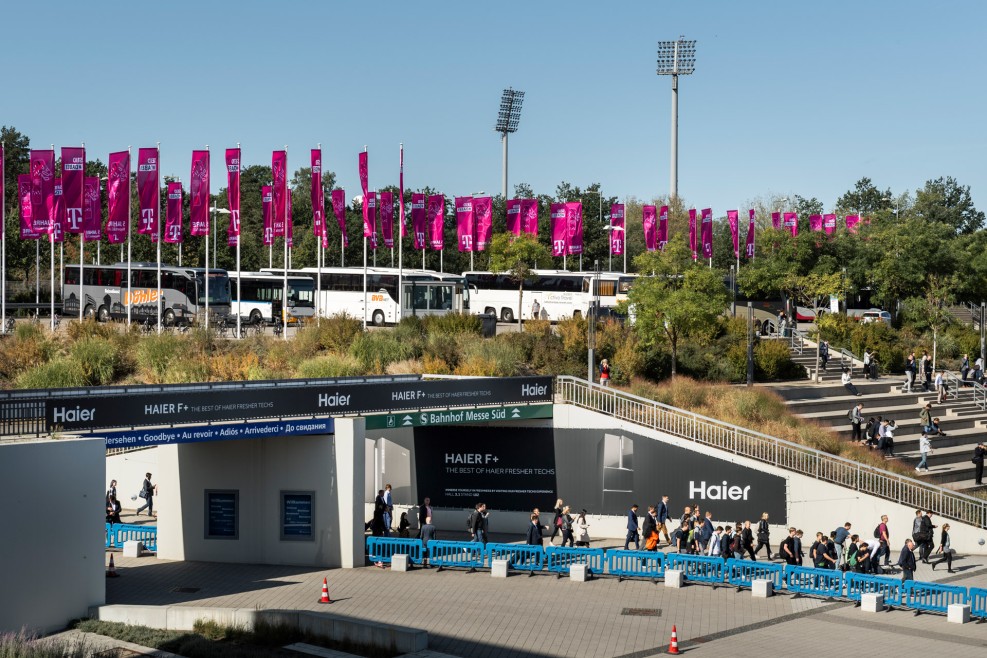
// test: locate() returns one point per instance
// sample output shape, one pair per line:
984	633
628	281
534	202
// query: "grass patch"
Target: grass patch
21	645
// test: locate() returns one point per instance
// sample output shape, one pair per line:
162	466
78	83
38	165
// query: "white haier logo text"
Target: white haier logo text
337	400
532	390
717	491
70	415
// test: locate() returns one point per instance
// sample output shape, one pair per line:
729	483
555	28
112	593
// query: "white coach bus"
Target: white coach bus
257	299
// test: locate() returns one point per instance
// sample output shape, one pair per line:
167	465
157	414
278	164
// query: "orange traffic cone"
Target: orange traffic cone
673	646
111	571
325	591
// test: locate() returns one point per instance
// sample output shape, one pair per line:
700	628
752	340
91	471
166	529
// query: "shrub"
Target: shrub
573	334
375	350
442	347
497	358
628	361
89	328
187	371
538	327
233	366
773	359
29	347
57	373
453	323
338	332
406	367
98	359
329	366
156	354
433	365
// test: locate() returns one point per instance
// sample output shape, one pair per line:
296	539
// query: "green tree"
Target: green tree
810	291
944	200
932	308
517	256
863	199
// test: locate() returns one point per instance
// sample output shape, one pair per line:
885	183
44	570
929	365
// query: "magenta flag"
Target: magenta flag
465	229
318	196
147	190
815	222
662	228
43	190
851	223
368	222
513	216
233	195
749	249
559	229
339	210
418	220
24	193
574	226
92	211
692	234
279	191
436	221
791	222
387	218
733	218
289	225
829	224
648	222
529	216
404	226
118	194
371	216
266	202
707	232
58	225
483	221
173	214
617	237
73	186
199	194
776	220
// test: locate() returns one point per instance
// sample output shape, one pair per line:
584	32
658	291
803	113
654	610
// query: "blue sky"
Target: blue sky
787	97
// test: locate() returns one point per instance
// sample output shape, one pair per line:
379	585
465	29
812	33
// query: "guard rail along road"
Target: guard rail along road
768	449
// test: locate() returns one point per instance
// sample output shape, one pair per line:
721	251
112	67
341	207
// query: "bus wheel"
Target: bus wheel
256	317
378	318
169	318
89	312
103	314
490	310
507	315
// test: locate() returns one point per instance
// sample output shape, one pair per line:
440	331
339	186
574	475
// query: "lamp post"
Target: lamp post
216	210
750	343
846	298
889	200
676	58
621	229
591	328
507	120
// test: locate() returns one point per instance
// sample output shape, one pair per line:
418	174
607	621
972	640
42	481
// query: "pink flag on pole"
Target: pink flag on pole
733	218
279	191
749	249
92	210
289	224
233	194
370	206
776	220
815	222
648	222
436	221
617	237
199	194
829	224
418	220
692	233
851	223
43	190
57	233
574	226
401	218
118	195
338	197
529	216
73	186
318	196
24	193
513	218
707	232
387	218
791	222
173	214
662	228
368	222
483	221
559	230
464	222
267	203
147	190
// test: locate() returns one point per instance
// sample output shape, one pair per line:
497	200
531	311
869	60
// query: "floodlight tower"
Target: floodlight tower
676	58
507	120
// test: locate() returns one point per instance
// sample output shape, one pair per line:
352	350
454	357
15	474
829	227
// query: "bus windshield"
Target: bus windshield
219	288
301	292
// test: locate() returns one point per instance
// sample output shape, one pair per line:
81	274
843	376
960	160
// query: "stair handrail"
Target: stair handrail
797	340
768	449
978	392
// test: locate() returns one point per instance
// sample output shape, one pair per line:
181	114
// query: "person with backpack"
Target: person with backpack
763	536
925	417
882	535
849	559
737	543
706	531
856	417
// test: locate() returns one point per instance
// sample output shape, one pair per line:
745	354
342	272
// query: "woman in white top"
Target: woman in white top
848	382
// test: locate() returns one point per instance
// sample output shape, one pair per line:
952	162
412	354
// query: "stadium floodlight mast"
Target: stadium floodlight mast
507	119
676	58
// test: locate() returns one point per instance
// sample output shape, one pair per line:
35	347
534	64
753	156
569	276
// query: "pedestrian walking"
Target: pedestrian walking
632	528
663	518
763	535
567	535
148	492
924	447
910	369
945	550
840	536
906	560
557	520
856	417
582	530
978	460
824	353
427	534
867	358
748	539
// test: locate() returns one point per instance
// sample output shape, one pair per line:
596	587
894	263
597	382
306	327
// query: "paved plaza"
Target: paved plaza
475	616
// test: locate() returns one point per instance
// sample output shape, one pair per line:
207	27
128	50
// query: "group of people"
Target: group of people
147	491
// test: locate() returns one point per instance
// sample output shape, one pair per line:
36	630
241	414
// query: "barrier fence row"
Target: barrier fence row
118	533
809	581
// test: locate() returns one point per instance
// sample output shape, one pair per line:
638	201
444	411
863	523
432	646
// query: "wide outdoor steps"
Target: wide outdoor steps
808	360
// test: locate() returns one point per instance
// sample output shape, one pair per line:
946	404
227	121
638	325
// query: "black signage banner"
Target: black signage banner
296	515
222	515
166	407
460	467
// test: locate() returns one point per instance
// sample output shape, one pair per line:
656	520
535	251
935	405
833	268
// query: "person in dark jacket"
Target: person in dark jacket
906	560
978	460
649	530
928	542
112	509
557	520
534	537
662	510
945	550
427	534
747	540
763	535
787	549
632	528
840	536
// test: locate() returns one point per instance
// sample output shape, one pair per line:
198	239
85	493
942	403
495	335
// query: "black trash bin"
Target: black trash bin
489	321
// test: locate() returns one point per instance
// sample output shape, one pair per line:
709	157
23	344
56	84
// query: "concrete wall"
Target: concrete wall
128	470
52	545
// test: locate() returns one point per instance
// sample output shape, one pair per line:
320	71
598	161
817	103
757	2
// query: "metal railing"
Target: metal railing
965	389
768	449
847	359
797	340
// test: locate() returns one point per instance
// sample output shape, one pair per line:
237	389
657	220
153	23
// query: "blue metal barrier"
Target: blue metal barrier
558	559
932	597
858	584
741	573
699	568
382	549
814	582
635	564
118	533
978	602
464	554
521	556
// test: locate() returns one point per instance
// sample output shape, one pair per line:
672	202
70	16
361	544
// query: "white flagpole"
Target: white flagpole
51	260
130	295
236	219
400	233
157	221
284	290
365	202
206	275
319	255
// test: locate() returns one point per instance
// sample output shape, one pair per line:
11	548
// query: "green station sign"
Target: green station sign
459	416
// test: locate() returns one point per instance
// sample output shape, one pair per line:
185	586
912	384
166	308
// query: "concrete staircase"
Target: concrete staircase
964	315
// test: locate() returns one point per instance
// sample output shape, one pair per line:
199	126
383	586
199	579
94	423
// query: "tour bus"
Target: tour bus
106	293
258	298
343	292
552	294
